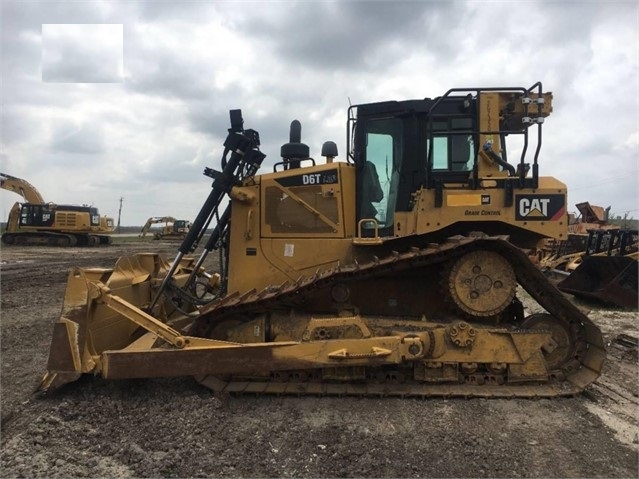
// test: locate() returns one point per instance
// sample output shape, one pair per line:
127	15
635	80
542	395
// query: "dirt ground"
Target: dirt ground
177	428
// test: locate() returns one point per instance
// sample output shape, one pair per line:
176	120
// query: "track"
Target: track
54	238
581	368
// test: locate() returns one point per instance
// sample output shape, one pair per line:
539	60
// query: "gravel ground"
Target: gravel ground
177	428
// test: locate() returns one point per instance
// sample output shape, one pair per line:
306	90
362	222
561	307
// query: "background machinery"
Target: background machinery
597	261
607	269
36	222
172	228
563	256
395	272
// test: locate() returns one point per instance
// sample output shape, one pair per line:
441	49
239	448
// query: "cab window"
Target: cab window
453	145
378	176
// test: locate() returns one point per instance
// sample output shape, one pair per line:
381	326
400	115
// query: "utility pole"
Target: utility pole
120	213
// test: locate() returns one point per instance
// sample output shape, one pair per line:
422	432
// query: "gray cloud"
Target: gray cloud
84	139
352	35
152	72
153	11
72	62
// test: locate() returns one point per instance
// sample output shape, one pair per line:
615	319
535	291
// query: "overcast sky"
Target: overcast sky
109	100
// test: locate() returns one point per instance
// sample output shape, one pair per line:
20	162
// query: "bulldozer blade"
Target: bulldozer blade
610	279
64	364
69	333
88	326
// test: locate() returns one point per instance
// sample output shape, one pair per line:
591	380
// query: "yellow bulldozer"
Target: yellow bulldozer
38	223
393	272
172	229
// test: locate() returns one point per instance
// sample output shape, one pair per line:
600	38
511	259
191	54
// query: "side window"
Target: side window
24	215
440	153
453	145
463	151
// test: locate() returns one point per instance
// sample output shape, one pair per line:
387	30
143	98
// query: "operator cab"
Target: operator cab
399	147
391	151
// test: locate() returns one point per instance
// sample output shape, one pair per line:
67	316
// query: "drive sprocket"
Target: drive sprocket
481	283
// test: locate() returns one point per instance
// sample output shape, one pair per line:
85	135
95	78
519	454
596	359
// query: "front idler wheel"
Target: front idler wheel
558	353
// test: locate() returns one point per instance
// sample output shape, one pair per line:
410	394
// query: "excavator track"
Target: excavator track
577	362
50	238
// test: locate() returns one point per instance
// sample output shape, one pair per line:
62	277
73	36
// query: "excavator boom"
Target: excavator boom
21	187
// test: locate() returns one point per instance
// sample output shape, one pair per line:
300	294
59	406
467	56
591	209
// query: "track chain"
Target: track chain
579	371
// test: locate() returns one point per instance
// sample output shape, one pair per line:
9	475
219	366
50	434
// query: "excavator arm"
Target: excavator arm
21	187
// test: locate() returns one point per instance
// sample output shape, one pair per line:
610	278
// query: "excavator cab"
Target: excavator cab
44	215
394	272
181	226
